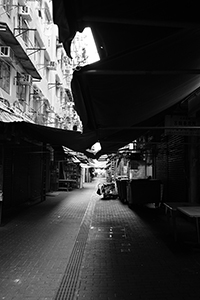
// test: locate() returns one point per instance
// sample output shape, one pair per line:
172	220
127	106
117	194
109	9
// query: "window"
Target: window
20	89
23	30
5	76
37	54
25	33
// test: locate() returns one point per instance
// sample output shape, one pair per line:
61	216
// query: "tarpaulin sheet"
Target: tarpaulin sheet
150	61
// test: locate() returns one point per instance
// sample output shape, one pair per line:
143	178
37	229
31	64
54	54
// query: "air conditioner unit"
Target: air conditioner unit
52	65
25	79
6	53
24	11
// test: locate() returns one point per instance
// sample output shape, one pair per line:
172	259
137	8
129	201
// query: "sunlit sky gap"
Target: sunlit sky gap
93	56
90	46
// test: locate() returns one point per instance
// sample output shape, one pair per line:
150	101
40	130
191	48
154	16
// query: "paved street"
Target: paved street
76	245
35	246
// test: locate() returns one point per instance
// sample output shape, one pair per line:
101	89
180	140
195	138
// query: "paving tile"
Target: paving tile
126	259
128	254
36	245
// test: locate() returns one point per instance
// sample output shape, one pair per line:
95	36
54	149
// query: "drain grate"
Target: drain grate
69	281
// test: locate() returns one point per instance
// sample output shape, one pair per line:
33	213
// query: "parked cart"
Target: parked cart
108	190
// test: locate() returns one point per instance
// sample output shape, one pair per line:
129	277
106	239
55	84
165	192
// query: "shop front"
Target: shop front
134	180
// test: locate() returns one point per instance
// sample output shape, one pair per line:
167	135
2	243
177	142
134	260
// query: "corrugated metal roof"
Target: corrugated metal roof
8	117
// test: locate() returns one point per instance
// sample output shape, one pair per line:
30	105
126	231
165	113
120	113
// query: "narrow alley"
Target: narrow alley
77	245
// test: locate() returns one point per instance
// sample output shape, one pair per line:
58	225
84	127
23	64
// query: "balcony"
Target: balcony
10	41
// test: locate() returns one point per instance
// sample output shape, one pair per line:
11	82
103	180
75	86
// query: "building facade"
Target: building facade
35	71
35	76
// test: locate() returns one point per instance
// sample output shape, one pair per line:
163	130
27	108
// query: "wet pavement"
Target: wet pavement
77	245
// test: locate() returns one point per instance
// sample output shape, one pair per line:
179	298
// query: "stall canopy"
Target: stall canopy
150	61
74	140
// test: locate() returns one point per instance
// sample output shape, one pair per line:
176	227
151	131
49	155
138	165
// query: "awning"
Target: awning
8	117
85	166
99	164
11	41
72	139
117	94
125	90
124	24
150	62
75	160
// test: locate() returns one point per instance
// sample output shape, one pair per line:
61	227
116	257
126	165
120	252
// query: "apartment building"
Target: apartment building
35	72
35	80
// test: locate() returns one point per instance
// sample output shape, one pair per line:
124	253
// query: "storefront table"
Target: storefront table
171	210
67	183
192	212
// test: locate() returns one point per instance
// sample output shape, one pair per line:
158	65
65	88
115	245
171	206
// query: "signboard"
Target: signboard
182	125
